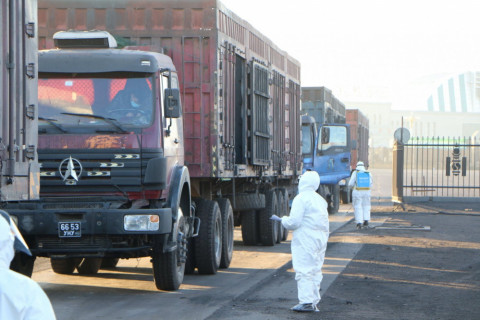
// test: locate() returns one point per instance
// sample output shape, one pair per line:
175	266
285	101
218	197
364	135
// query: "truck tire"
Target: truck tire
334	204
63	266
89	265
249	228
227	232
208	243
249	201
286	212
268	228
281	213
169	267
23	263
109	263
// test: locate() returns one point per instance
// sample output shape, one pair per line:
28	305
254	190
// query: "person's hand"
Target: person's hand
275	218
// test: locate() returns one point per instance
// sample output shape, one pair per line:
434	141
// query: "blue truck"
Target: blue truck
326	143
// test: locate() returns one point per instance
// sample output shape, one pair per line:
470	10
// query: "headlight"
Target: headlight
140	222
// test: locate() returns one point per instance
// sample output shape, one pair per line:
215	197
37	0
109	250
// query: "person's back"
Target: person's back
314	207
361	182
20	297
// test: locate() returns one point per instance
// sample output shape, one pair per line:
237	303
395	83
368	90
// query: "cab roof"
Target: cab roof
102	60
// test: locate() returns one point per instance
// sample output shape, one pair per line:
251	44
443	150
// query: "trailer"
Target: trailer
19	170
234	142
326	143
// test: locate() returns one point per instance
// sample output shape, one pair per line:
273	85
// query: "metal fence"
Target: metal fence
436	167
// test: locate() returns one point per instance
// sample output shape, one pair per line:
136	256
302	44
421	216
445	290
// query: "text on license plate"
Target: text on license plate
69	229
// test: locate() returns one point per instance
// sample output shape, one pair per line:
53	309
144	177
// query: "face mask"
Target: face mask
134	104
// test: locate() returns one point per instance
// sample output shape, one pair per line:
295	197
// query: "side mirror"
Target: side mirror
172	103
325	134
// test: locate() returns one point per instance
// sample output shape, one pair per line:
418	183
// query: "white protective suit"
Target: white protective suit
309	221
20	297
360	198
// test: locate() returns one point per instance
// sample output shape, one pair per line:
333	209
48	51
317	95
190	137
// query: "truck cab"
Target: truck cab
113	180
326	150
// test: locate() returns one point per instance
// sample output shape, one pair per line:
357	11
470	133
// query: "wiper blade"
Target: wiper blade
111	121
52	122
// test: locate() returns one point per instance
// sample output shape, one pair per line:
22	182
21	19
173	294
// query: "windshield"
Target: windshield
338	138
307	140
91	102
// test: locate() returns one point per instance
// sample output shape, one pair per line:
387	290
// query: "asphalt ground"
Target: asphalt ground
419	261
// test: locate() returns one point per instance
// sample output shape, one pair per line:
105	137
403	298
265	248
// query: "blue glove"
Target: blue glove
275	218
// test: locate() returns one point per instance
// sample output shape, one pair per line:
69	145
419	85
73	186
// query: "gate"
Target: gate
436	168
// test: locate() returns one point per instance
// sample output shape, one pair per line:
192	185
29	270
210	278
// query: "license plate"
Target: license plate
69	229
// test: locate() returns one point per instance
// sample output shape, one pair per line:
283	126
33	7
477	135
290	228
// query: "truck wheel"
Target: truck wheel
268	228
23	263
281	213
63	266
208	243
227	232
334	204
286	213
248	201
169	267
109	263
249	228
89	265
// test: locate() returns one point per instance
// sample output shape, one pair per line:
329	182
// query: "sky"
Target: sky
368	44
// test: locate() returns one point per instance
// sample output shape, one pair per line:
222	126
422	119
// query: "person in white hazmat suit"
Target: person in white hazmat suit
309	221
361	195
20	297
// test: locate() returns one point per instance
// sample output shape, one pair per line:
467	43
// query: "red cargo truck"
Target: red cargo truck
235	144
359	129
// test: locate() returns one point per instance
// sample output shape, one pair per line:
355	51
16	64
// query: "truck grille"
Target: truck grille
94	243
73	170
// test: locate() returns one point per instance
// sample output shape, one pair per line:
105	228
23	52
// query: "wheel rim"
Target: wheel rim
218	240
181	244
230	234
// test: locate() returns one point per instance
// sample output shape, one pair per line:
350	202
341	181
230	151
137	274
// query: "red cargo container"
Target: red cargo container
240	92
359	129
217	55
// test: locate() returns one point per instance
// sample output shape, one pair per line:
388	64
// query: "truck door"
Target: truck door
258	115
333	155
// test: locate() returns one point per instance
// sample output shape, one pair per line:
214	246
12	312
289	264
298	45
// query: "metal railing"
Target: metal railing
436	167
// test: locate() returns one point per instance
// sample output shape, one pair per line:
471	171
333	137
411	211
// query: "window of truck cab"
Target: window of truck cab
92	102
338	138
308	136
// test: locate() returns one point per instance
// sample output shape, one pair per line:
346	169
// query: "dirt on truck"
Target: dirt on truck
159	152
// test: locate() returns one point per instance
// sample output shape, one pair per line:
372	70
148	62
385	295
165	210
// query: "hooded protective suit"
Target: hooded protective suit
360	198
309	221
20	297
